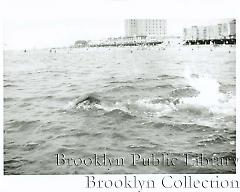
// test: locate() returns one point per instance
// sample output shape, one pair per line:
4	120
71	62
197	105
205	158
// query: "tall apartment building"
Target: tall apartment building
223	30
232	28
145	27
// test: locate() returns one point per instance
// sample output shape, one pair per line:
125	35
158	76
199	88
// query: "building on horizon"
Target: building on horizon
145	27
80	43
224	30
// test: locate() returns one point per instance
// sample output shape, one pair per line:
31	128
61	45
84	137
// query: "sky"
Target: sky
57	23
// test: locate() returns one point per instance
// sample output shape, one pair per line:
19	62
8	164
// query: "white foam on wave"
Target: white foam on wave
209	95
116	106
85	105
160	108
70	105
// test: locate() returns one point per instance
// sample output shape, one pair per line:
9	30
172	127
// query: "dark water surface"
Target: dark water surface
148	101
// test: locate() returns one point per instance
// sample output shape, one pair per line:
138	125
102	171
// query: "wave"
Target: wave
227	88
156	106
15	126
122	88
9	85
44	97
87	101
208	95
118	136
121	82
165	76
187	100
95	102
165	86
30	146
119	113
200	97
6	99
215	139
184	92
188	127
9	81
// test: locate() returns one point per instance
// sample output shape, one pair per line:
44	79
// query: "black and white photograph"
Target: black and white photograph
120	96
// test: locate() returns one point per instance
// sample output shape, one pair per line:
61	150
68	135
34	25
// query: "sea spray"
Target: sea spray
209	94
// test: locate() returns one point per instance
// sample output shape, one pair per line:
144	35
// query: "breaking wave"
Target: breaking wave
209	95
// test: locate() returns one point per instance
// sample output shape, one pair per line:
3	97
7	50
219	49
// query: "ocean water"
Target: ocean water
119	102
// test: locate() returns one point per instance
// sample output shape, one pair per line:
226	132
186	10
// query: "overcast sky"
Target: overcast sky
51	23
